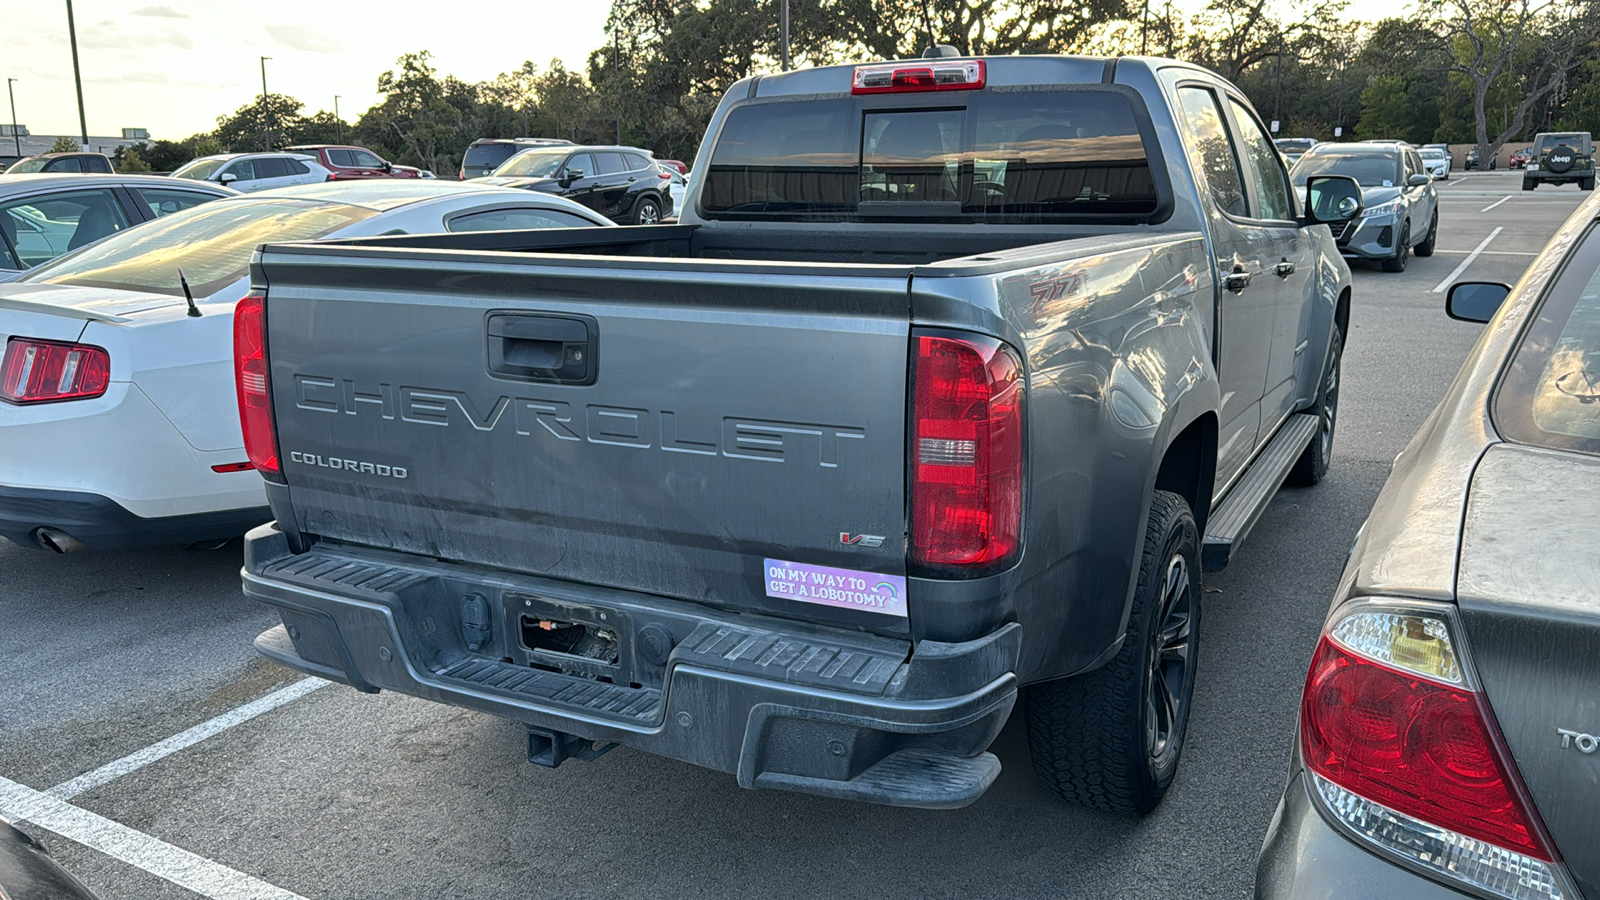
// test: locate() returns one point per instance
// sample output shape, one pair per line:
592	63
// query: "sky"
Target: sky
174	66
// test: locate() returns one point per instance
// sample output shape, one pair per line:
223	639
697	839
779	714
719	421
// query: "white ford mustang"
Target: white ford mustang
119	427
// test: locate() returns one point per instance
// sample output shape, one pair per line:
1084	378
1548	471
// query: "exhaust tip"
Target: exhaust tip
57	540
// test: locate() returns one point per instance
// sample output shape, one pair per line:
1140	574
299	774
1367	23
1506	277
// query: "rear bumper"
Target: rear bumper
103	524
778	704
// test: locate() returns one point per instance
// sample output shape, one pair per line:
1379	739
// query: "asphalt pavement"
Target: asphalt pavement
330	794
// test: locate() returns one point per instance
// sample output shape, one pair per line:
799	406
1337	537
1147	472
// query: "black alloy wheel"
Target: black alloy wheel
1402	253
1171	678
1313	462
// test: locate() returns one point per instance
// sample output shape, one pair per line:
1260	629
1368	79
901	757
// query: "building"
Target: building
34	144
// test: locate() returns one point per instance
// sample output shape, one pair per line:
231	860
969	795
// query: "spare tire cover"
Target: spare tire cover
1560	158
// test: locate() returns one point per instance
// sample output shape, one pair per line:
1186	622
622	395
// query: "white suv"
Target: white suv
255	171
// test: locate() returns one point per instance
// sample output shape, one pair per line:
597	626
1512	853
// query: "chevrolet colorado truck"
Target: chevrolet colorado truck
954	375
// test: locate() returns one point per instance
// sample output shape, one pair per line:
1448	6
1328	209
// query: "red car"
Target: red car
1520	159
350	163
682	168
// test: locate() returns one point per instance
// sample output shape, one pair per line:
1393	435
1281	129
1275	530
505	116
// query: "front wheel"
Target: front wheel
1111	738
1313	463
646	212
1402	253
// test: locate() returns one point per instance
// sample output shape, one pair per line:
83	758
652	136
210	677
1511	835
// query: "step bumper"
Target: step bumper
778	705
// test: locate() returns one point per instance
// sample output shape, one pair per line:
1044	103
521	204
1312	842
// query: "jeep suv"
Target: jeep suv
1561	158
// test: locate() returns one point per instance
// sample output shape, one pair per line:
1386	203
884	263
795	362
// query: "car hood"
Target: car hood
1372	196
531	184
85	302
1527	590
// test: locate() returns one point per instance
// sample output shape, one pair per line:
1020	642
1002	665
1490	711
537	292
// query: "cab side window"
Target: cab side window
342	158
611	163
1261	162
1213	149
582	162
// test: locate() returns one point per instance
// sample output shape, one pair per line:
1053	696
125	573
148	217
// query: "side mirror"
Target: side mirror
1332	199
1475	301
227	178
1419	180
387	166
570	175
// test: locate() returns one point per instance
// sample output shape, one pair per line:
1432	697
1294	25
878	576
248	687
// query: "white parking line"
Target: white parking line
203	876
1451	278
184	739
1496	203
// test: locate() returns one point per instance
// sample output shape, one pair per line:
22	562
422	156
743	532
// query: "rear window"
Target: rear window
1551	394
489	156
211	243
1578	142
1007	156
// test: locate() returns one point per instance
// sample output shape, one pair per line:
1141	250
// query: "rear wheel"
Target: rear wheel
1402	253
646	212
1426	247
1587	183
1529	184
1313	463
1111	739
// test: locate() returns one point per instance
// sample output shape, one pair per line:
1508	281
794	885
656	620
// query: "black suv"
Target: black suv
623	184
486	154
62	163
1561	157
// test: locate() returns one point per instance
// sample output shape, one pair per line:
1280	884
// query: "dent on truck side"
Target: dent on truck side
1115	335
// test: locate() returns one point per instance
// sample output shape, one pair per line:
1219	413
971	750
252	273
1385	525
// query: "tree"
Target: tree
424	117
245	131
1533	44
65	145
127	158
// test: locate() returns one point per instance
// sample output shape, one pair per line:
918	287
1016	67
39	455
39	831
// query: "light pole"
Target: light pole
266	111
15	134
1144	28
784	29
338	122
77	76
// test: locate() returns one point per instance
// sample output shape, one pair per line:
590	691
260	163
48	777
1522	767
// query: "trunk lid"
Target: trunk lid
1529	591
721	432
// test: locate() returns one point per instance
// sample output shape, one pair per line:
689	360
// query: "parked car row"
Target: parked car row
625	184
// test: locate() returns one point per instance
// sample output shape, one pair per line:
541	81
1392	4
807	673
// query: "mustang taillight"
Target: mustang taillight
966	454
40	371
1403	749
891	78
253	385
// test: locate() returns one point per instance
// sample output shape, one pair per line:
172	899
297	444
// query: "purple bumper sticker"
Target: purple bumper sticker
844	588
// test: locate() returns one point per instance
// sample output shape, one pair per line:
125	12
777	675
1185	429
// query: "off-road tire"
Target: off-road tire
1426	247
1095	738
1402	253
1529	184
1586	183
646	211
1313	462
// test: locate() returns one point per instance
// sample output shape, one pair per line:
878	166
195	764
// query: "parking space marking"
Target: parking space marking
1477	252
184	739
1496	203
1495	252
205	877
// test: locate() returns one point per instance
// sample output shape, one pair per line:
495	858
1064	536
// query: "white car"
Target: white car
118	418
1437	162
251	172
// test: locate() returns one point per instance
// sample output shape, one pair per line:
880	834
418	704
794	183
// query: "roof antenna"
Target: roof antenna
194	311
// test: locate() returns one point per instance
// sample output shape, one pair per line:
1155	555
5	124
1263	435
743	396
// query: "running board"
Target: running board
1233	519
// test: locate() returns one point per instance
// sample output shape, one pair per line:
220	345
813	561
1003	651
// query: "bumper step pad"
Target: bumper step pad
925	779
580	694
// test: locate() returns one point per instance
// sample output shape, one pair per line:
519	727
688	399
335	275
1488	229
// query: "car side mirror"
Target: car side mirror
1475	301
570	175
1419	180
387	166
227	178
1332	199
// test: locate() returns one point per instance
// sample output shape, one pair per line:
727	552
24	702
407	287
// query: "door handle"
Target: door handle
1284	269
1236	281
548	348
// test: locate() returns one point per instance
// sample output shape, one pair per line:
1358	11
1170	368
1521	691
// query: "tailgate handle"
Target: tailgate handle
550	348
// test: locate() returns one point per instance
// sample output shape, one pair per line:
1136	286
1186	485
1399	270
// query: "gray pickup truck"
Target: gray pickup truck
953	376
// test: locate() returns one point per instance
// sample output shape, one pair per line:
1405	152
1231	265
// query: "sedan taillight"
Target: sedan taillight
1404	751
40	371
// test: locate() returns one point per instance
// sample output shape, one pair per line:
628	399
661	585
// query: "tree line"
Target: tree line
1486	72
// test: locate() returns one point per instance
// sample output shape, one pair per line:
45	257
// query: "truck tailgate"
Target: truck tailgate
648	425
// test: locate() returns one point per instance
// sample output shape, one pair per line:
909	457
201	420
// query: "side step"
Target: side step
926	779
1234	518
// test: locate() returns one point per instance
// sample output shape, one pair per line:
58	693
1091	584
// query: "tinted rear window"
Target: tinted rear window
489	156
1009	156
1551	394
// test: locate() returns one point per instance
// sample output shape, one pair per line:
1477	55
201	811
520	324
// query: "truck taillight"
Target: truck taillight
40	371
895	78
1403	749
253	386
966	454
